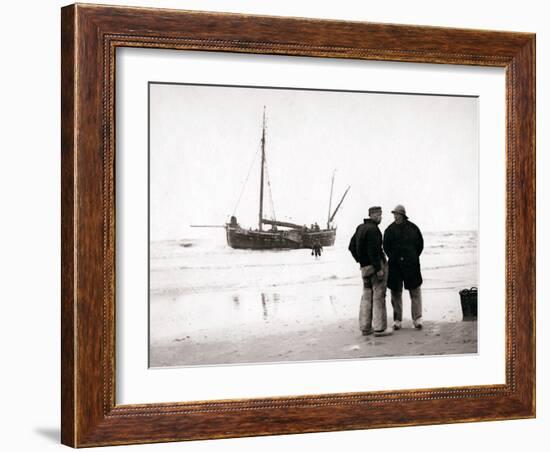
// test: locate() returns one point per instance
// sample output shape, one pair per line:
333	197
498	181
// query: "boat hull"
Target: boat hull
286	239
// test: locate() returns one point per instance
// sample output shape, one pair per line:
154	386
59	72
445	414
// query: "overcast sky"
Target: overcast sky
416	150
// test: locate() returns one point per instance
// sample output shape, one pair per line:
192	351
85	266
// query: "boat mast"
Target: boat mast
339	204
262	176
330	200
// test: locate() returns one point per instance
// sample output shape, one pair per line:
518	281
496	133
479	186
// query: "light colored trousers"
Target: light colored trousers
372	311
397	303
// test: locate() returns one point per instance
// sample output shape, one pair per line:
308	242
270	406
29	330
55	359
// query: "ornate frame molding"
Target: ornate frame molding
90	37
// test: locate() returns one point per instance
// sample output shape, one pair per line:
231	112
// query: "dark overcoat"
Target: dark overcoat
403	244
366	245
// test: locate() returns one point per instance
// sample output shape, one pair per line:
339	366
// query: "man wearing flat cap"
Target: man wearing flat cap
366	248
403	243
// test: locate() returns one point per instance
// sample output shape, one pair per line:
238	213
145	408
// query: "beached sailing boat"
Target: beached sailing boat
293	236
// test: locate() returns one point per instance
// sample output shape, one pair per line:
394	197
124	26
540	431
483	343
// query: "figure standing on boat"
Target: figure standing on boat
281	234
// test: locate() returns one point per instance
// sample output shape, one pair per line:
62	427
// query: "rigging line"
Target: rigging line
270	192
245	182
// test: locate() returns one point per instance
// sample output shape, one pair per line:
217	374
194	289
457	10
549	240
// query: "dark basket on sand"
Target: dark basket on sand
468	300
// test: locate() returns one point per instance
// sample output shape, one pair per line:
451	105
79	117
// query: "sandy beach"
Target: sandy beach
211	304
340	340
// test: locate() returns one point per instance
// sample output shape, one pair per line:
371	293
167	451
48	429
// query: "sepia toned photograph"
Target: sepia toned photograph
291	224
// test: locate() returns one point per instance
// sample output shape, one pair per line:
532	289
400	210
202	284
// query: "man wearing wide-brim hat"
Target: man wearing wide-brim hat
403	243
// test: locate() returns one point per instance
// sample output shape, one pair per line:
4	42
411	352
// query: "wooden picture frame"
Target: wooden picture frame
90	36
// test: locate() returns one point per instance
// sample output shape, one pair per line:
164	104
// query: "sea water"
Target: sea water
202	289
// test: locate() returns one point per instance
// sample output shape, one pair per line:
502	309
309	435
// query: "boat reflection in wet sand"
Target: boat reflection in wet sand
292	236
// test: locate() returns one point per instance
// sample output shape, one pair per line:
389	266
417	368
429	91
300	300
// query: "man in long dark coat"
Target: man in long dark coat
403	243
366	248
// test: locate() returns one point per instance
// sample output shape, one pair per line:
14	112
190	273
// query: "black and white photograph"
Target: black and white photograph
303	224
265	226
